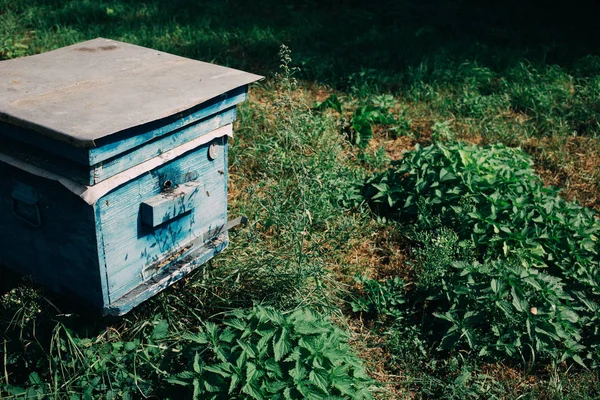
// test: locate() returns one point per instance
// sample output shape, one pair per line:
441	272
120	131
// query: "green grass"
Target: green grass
400	73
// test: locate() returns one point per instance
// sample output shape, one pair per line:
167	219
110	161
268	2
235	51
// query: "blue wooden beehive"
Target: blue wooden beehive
113	168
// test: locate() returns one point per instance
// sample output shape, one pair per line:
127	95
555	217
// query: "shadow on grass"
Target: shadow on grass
331	40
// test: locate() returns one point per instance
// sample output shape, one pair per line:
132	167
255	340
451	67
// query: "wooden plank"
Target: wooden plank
155	148
135	252
170	204
123	141
46	160
38	141
101	257
170	274
82	174
131	138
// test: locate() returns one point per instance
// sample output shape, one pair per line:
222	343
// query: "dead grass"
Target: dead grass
571	164
371	348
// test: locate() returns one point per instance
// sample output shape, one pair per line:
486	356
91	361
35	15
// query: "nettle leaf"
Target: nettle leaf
237	323
569	315
505	307
241	359
319	378
519	304
299	372
273	387
308	328
266	337
253	390
381	187
578	360
236	379
223	369
209	387
281	344
212	331
294	355
199	338
495	286
250	371
445	175
198	364
548	334
273	366
198	389
589	245
161	329
227	336
248	348
341	381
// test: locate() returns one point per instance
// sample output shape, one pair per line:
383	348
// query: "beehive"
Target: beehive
113	168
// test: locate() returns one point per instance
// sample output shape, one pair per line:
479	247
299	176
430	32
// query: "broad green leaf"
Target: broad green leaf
161	329
248	348
320	379
579	360
252	389
281	344
517	302
495	285
236	323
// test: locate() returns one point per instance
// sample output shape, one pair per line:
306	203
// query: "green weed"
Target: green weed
264	354
359	130
513	265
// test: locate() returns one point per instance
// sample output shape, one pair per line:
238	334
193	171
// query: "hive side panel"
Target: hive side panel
46	160
155	148
49	233
39	141
135	251
124	141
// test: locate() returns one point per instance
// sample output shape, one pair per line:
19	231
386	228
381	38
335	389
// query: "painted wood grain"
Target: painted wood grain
46	160
172	203
122	142
154	148
62	252
168	275
133	251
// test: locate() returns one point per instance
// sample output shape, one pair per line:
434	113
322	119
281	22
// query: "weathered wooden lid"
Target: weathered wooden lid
94	89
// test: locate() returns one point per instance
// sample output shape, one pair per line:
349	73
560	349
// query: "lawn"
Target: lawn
422	184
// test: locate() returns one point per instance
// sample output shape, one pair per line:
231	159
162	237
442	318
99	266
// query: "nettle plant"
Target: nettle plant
496	308
265	354
532	282
359	130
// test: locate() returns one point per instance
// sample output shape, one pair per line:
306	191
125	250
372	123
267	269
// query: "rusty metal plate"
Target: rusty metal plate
94	89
